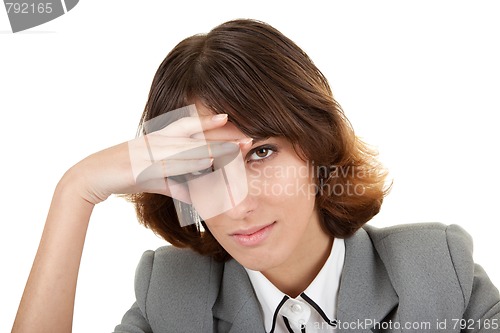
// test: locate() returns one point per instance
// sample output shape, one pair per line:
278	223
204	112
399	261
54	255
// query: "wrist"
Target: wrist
72	187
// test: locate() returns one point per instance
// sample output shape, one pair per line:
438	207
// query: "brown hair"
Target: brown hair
269	88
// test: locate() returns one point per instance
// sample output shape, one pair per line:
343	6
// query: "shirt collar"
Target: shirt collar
322	290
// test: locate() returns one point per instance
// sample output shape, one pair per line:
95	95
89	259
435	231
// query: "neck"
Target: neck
295	275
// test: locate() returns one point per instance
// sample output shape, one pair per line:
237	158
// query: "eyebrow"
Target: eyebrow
256	141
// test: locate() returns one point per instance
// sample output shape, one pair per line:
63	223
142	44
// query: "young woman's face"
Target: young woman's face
277	222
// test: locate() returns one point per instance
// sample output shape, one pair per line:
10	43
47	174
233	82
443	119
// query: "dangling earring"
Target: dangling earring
186	214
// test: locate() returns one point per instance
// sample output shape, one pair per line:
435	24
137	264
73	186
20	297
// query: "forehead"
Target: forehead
202	109
227	132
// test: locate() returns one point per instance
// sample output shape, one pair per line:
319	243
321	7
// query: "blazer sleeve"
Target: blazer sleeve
481	297
135	319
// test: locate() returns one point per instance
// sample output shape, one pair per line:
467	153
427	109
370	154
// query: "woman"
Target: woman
249	168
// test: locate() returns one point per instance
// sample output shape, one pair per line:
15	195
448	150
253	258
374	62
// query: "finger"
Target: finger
210	150
168	187
187	126
150	162
228	132
178	191
168	168
192	149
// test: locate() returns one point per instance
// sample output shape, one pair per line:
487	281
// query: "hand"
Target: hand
143	164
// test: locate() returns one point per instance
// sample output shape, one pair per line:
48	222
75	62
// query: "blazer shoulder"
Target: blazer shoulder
434	262
171	279
378	234
169	262
183	259
415	252
441	240
425	234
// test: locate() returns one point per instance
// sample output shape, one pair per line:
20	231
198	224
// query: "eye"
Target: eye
261	153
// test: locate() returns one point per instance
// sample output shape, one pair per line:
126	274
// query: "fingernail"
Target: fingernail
244	141
219	117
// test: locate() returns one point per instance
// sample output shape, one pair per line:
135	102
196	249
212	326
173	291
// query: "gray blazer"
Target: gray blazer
421	275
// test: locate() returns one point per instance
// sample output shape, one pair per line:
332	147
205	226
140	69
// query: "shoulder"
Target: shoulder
451	239
433	262
171	278
436	241
172	266
432	254
166	258
419	231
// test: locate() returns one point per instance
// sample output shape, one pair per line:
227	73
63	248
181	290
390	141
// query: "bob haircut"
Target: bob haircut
268	87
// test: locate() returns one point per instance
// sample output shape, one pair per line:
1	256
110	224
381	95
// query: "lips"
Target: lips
250	231
253	236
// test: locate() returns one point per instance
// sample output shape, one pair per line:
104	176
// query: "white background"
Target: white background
419	80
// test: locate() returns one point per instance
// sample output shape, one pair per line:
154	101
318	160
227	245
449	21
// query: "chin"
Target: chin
254	263
260	263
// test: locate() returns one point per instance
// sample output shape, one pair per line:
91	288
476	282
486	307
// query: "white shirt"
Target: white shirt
322	291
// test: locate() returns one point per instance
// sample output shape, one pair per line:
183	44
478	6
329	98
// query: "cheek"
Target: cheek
219	227
215	224
293	188
202	201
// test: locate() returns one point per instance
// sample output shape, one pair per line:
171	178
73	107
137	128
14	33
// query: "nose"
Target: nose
245	196
244	208
223	191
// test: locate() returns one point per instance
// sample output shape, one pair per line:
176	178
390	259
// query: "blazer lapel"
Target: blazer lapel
366	295
237	304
